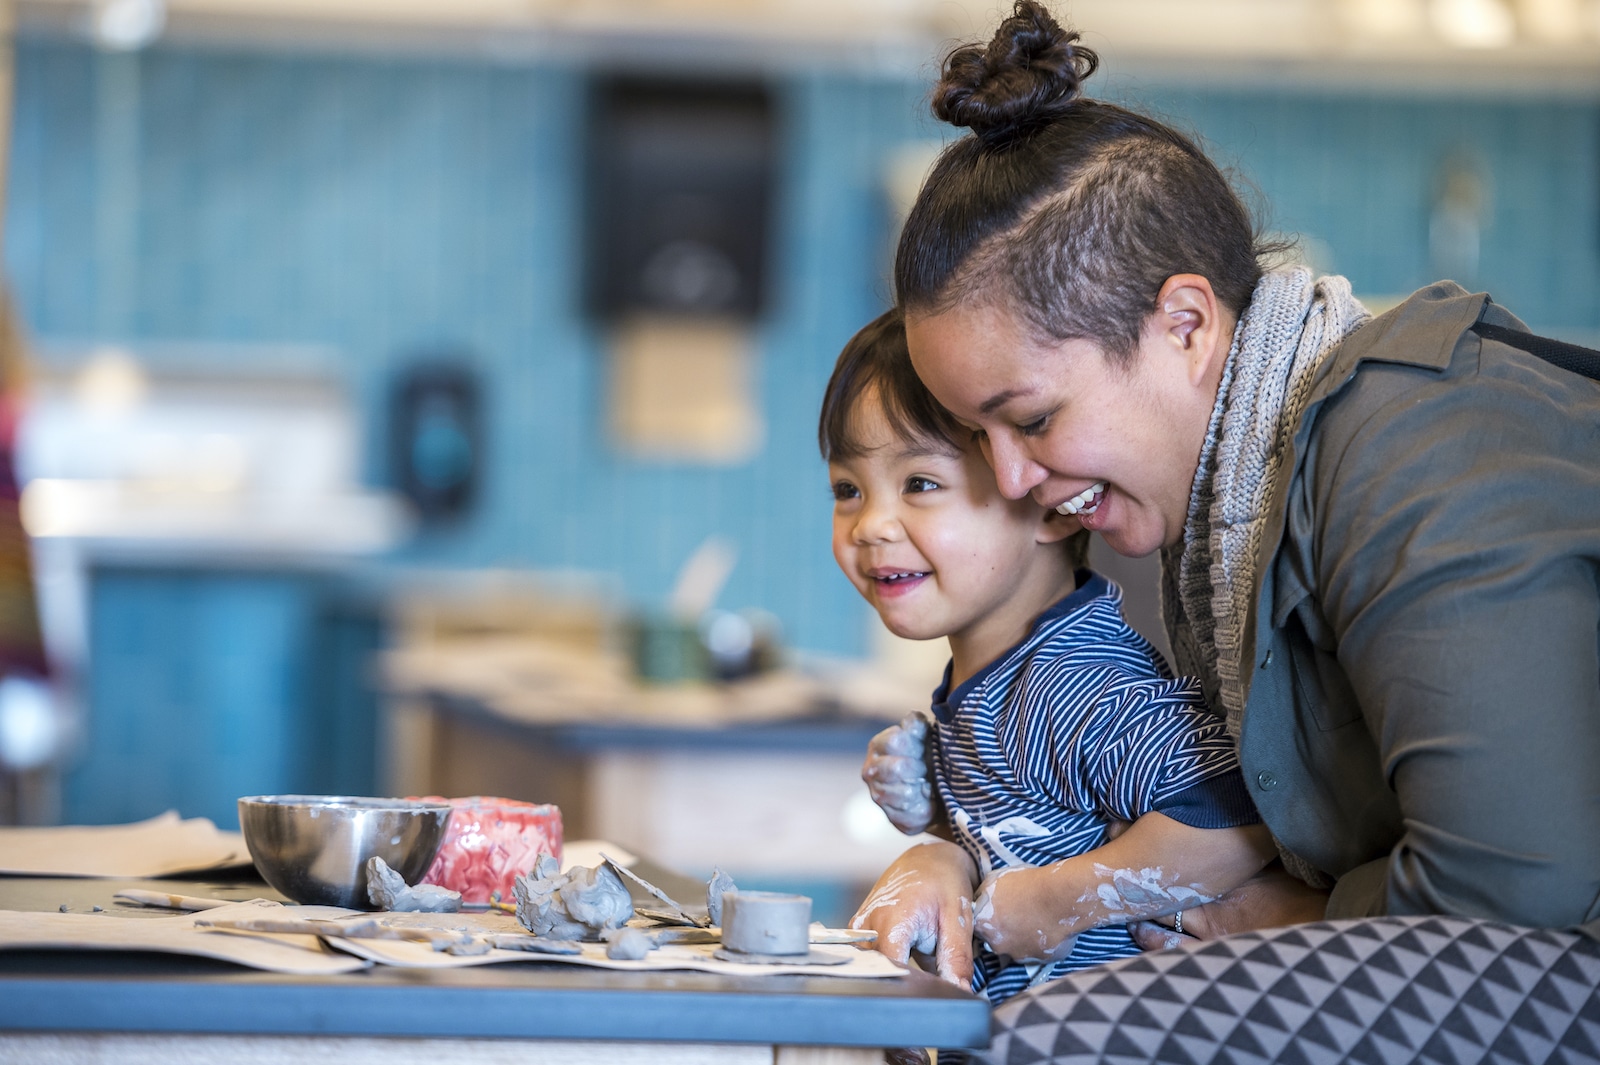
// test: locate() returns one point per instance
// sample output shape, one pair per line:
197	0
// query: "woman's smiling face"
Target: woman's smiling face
1119	445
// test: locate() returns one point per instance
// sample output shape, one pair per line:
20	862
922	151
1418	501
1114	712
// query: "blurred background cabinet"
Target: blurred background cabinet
207	684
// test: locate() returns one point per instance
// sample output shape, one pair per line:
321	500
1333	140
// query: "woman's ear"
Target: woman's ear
1056	527
1189	321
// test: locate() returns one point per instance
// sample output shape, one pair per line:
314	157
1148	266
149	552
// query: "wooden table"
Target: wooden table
134	1009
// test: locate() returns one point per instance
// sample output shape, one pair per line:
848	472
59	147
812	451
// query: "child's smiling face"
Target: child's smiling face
924	534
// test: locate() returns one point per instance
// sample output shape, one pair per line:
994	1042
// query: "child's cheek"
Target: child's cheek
843	551
951	542
844	554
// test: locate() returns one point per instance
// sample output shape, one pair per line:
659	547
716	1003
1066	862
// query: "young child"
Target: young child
1055	720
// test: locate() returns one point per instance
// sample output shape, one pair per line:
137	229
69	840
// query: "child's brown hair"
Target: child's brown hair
877	358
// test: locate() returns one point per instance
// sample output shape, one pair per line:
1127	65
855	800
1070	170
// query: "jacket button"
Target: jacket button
1267	661
1266	780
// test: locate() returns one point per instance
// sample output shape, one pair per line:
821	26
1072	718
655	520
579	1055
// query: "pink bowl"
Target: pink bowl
490	842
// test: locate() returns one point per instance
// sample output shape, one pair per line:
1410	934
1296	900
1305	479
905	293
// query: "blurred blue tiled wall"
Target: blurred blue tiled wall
1359	174
387	207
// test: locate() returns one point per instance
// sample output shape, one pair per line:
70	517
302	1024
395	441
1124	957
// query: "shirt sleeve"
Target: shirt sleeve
1221	801
1458	566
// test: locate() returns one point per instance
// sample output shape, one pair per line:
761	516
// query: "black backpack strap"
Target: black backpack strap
1570	357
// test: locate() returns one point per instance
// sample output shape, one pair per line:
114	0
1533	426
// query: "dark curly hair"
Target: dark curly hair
1069	210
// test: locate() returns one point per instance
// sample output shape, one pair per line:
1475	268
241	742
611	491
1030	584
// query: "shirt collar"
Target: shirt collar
1091	586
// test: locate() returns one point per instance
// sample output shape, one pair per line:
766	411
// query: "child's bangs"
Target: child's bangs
876	363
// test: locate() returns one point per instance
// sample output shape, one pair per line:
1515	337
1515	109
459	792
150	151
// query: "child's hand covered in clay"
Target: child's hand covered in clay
897	774
923	903
1157	867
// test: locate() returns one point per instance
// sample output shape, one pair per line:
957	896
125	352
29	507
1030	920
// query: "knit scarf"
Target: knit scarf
1291	325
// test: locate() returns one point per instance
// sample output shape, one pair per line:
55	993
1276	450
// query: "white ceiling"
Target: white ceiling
1492	45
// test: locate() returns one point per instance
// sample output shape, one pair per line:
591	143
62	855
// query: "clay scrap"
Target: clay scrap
578	904
532	944
629	944
720	884
388	891
674	913
680	934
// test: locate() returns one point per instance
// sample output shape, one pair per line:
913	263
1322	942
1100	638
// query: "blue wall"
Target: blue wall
387	206
1358	173
197	696
212	684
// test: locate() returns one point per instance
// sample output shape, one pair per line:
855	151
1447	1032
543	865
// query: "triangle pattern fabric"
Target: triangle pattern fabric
1385	990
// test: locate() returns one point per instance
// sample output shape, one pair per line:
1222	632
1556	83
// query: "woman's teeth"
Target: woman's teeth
893	577
1085	502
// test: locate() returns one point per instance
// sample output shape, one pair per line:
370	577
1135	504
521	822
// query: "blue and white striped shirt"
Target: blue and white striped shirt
1078	725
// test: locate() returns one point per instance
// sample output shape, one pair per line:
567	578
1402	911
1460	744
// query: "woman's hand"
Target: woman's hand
923	903
1270	899
897	775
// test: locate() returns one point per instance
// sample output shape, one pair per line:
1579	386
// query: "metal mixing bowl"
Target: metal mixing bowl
314	848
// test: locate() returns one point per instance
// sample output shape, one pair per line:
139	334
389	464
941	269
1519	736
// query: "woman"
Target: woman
1380	538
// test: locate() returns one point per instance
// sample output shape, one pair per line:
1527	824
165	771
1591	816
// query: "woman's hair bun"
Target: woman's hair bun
1029	74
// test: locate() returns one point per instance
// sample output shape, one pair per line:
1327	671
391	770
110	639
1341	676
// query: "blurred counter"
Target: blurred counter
534	680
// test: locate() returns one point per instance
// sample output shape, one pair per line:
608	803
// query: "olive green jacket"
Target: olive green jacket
1423	718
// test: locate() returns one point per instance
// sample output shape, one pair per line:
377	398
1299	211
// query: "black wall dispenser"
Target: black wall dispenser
680	190
437	438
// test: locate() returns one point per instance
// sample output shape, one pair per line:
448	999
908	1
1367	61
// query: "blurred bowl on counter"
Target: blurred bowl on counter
665	650
720	645
314	848
740	644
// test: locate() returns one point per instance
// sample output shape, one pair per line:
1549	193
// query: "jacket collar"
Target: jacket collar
1444	310
1091	587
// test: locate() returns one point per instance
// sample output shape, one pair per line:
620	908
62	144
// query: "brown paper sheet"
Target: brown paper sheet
315	955
162	846
411	955
297	955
